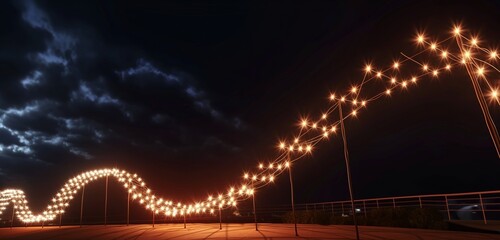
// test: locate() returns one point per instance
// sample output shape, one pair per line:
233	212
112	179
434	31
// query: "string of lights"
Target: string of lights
444	56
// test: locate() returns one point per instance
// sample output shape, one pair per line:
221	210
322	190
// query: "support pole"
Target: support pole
13	213
254	211
60	220
128	208
482	209
346	156
490	124
220	219
394	203
81	205
184	214
106	204
153	217
420	201
377	204
291	193
43	223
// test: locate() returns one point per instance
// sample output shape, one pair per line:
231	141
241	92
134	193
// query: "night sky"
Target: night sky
190	94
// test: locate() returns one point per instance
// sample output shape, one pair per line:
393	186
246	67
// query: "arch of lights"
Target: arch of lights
453	52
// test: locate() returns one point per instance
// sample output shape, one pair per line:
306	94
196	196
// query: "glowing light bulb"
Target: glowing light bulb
379	74
245	176
332	96
396	65
304	123
282	145
414	79
473	41
393	80
425	67
433	46
480	71
493	55
261	166
323	116
420	38
448	67
435	72
368	68
354	89
457	30
494	93
467	54
388	92
444	54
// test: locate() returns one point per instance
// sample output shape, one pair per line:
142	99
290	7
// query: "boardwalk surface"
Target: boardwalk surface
232	231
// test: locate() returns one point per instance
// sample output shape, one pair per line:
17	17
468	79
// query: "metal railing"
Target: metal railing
483	205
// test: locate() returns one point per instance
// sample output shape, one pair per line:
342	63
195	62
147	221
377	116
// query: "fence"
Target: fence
454	206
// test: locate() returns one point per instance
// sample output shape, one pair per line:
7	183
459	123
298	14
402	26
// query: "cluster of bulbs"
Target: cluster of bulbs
290	151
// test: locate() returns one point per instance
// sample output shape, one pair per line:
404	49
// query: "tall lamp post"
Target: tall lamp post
289	166
346	156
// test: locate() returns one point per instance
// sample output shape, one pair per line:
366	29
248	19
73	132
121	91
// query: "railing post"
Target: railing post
364	207
482	209
333	211
342	208
393	203
377	203
447	207
420	201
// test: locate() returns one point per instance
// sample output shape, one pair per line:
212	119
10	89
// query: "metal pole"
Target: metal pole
342	208
153	218
13	212
128	208
447	207
482	209
394	203
60	220
377	204
43	223
490	124
333	212
106	204
254	211
420	201
346	156
81	205
291	193
184	219
220	219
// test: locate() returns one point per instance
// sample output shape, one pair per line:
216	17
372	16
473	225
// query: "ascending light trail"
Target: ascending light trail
465	53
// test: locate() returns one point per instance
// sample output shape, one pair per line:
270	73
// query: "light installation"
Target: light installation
456	51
